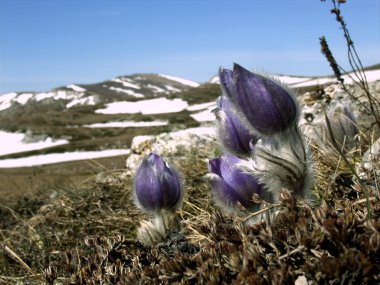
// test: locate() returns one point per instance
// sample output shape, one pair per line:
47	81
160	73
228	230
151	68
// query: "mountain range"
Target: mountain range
106	116
101	116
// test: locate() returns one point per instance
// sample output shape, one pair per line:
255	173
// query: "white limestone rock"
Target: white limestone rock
170	146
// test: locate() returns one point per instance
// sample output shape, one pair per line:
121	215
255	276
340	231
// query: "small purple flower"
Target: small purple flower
233	134
231	186
157	185
268	106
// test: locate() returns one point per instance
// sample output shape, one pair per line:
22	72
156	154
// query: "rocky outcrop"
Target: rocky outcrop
313	102
171	146
371	160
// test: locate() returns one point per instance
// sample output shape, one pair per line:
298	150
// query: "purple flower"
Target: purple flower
233	133
268	106
231	186
157	186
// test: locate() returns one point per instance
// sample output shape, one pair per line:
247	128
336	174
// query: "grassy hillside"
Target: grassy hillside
52	118
26	182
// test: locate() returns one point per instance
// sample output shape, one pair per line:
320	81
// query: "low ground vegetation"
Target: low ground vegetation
87	235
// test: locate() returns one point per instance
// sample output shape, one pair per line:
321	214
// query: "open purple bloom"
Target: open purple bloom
268	107
230	185
233	134
156	185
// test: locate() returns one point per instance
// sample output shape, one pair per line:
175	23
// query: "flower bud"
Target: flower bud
231	186
233	134
266	104
343	126
157	186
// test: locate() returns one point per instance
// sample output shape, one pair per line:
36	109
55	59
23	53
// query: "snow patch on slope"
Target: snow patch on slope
214	80
127	91
44	95
60	157
156	89
17	142
145	107
126	83
90	100
206	112
75	96
290	80
6	100
202	106
172	89
204	116
181	80
127	124
299	81
371	75
76	88
23	98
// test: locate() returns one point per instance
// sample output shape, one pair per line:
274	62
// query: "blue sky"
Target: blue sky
50	43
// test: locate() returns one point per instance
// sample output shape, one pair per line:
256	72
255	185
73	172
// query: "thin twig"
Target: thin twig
355	63
373	105
259	212
298	249
13	255
361	201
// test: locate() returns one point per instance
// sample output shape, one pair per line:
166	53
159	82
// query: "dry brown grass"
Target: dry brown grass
44	179
86	235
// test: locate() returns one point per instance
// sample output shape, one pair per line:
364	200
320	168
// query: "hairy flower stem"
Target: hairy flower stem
338	149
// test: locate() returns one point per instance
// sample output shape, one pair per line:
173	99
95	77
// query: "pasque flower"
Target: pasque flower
343	126
157	186
281	158
231	186
268	106
344	130
233	133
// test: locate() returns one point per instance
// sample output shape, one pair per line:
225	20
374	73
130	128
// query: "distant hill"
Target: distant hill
104	115
107	115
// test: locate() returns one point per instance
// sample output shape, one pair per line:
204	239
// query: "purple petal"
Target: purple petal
226	194
156	185
242	182
214	166
147	186
267	106
156	162
235	136
171	190
230	185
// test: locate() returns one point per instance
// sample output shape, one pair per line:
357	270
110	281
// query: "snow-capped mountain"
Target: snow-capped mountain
80	121
101	116
127	88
